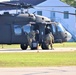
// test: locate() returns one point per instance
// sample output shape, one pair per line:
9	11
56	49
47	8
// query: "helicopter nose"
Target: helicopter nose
69	36
47	19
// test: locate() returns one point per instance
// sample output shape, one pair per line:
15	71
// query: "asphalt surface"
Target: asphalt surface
38	70
39	50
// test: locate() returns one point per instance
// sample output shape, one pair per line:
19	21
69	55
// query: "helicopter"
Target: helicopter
15	28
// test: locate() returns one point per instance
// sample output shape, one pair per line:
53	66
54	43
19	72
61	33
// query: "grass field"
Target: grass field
66	44
9	46
38	59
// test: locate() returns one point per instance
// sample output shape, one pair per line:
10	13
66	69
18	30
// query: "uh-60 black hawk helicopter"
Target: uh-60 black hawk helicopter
15	28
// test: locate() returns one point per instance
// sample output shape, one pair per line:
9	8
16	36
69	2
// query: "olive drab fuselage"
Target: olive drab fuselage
14	28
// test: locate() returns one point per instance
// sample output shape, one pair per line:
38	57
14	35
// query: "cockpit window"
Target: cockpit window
54	29
60	27
26	28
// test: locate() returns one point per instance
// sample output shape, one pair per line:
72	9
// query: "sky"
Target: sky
4	0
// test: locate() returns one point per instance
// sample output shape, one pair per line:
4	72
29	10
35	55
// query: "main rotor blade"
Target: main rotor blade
7	4
64	12
52	6
57	11
26	6
21	5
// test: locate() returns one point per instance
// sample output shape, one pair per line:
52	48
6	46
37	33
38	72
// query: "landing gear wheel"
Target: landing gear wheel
44	46
34	48
34	45
24	46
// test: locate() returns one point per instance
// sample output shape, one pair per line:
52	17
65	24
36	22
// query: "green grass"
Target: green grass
65	44
3	46
38	59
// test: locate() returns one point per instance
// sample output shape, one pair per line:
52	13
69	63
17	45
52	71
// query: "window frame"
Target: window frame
66	15
39	12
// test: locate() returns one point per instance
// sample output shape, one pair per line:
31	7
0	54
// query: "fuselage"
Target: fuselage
13	27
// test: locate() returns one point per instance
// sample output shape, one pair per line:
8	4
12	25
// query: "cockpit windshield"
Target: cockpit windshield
60	27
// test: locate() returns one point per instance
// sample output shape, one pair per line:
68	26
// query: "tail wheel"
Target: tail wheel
44	46
24	46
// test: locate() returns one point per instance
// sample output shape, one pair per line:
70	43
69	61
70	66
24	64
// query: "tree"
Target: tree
70	2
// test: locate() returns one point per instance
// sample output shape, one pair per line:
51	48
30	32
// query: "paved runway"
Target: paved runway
39	71
39	50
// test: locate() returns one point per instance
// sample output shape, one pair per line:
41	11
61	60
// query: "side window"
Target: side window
17	30
39	12
66	15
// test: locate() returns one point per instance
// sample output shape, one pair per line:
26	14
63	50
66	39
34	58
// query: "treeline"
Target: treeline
70	2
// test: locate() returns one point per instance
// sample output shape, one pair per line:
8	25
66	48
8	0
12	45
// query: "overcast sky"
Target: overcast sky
4	0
